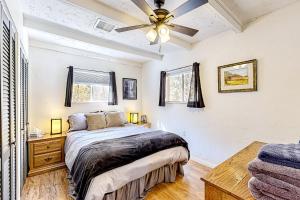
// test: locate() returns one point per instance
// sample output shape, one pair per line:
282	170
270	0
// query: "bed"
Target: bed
131	180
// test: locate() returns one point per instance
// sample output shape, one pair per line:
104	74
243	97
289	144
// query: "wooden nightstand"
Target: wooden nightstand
46	153
146	125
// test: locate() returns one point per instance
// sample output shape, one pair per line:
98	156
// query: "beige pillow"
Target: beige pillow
95	121
114	119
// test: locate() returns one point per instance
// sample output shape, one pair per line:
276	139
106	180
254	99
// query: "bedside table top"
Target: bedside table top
143	123
47	136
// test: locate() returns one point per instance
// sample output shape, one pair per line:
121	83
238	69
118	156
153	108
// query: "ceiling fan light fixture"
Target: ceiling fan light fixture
163	30
151	35
164	38
160	18
164	33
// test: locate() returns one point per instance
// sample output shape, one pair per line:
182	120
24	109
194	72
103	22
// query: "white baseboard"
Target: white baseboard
203	161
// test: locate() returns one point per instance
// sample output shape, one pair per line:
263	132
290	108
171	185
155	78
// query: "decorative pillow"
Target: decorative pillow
95	121
114	119
77	122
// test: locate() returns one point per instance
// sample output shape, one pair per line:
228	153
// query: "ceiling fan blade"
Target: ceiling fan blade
183	29
187	7
144	6
155	41
130	28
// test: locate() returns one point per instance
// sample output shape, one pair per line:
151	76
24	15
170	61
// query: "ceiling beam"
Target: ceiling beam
80	52
119	16
57	29
227	14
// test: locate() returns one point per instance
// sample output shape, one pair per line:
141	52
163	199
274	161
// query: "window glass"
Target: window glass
175	88
100	92
90	93
187	84
81	93
178	87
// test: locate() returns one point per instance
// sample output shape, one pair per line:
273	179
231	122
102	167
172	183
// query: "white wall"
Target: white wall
231	121
15	10
48	75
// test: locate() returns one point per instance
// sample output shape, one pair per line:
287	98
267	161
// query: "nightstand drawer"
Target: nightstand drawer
46	159
47	146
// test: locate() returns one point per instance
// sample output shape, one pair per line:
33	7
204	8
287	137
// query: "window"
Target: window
178	86
90	87
90	93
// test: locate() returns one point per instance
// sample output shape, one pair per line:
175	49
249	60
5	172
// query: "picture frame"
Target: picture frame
144	118
129	89
238	77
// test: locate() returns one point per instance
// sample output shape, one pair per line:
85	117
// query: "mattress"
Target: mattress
114	179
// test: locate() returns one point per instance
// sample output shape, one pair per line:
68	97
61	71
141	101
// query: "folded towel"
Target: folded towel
286	174
264	187
281	154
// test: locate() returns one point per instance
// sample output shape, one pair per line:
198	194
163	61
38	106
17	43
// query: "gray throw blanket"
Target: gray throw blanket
283	173
264	187
99	157
281	154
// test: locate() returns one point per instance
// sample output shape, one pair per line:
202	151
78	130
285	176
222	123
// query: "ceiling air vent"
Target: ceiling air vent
100	24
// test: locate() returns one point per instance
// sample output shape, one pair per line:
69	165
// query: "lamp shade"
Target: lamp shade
56	126
151	35
134	118
164	33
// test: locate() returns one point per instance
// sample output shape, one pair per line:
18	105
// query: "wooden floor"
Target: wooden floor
53	186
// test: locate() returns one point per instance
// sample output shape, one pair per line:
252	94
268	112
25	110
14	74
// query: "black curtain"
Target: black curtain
113	97
195	96
162	89
69	88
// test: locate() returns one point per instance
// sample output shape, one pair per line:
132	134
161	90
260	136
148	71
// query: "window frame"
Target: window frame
182	73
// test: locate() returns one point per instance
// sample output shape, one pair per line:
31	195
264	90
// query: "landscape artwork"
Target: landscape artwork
129	89
238	77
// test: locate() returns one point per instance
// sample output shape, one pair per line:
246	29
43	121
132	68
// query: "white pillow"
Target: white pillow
77	122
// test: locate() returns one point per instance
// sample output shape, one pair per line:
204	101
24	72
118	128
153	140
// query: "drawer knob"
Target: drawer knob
48	159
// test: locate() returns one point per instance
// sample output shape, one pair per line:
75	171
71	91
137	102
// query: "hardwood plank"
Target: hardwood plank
54	186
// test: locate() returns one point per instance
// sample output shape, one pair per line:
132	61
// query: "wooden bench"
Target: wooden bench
229	180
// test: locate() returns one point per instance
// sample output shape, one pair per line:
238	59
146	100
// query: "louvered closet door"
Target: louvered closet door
22	121
8	110
5	108
22	125
13	119
24	117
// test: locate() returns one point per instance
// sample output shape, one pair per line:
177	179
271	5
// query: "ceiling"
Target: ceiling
206	19
64	41
81	15
248	11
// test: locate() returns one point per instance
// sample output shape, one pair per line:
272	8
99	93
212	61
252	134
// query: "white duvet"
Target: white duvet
116	178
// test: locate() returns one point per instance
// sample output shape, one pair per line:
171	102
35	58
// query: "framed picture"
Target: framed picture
238	77
144	119
129	89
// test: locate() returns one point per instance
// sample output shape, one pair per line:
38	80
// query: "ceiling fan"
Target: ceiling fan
160	20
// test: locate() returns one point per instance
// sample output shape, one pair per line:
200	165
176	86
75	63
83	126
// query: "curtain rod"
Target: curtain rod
90	70
179	68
